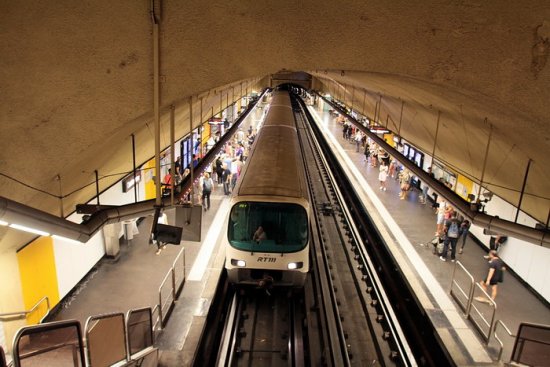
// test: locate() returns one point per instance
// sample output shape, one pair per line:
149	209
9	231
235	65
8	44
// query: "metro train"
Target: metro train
267	242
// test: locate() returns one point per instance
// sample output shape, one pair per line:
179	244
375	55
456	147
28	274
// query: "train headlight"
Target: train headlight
240	263
296	265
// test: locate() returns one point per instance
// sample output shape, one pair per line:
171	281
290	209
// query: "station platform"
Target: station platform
133	281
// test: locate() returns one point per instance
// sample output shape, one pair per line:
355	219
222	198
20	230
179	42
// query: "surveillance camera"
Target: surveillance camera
488	195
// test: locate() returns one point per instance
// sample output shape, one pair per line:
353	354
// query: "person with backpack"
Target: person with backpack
452	232
207	184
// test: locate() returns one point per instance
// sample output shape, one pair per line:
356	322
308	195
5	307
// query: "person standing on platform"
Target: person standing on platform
358	140
440	218
207	185
167	183
465	228
226	178
219	169
382	176
495	243
393	167
495	275
452	232
367	152
374	156
405	183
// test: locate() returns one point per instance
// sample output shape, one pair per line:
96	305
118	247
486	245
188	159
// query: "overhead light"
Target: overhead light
65	239
2	223
28	229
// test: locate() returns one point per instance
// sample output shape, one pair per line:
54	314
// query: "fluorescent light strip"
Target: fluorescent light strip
61	238
27	229
2	223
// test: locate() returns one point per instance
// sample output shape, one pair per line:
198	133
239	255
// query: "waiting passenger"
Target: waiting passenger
465	228
259	235
383	175
405	183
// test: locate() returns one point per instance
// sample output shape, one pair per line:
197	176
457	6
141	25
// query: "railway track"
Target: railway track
264	330
346	313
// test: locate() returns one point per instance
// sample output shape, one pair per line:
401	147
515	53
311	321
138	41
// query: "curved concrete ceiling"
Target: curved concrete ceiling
76	81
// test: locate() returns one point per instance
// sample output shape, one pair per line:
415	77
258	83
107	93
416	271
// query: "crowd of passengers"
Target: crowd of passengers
451	229
223	172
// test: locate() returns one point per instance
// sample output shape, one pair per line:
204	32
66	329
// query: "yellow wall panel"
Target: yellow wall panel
464	186
38	276
148	174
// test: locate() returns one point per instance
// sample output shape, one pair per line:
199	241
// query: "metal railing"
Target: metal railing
532	345
139	327
473	311
111	339
477	316
57	342
19	315
458	290
501	344
168	297
106	339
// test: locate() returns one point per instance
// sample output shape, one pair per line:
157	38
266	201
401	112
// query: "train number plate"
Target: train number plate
263	259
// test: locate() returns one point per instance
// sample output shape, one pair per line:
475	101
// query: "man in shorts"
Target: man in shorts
494	275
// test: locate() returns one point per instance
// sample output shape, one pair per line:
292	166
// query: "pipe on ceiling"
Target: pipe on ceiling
14	212
493	224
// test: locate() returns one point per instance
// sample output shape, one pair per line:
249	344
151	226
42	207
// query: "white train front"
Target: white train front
267	240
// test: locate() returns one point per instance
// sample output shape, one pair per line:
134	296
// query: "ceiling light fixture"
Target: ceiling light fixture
2	223
28	229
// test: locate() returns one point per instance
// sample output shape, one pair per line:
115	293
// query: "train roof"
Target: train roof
275	167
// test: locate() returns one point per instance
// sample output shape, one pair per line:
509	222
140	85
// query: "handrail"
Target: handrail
492	304
469	297
37	352
11	316
177	288
499	322
161	303
157	319
93	321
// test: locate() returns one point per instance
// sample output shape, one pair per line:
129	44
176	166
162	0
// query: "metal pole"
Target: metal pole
400	119
97	186
485	159
379	109
201	122
134	166
156	105
523	189
58	178
191	168
435	139
352	96
363	111
172	153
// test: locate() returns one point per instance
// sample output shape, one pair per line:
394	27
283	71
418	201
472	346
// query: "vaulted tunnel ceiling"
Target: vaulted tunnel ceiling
76	81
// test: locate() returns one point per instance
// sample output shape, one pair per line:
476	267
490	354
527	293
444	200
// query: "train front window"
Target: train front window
268	227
